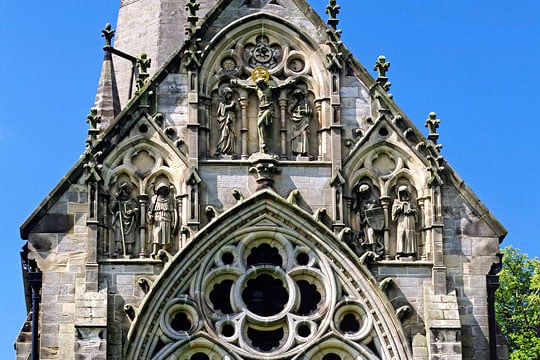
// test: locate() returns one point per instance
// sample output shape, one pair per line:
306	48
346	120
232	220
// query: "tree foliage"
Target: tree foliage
517	305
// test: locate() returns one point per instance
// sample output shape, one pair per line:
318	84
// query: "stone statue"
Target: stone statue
370	219
265	92
381	66
163	215
225	119
405	214
125	220
299	113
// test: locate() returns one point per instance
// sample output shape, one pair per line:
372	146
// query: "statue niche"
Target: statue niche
226	121
300	114
405	216
368	220
125	221
267	94
162	214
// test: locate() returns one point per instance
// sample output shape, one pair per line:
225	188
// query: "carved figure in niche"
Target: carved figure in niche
225	119
370	217
125	220
405	214
266	93
163	215
299	113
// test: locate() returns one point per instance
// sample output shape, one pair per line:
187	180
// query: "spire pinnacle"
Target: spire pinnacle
107	103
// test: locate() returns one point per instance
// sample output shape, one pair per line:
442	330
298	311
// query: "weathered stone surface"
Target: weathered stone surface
296	211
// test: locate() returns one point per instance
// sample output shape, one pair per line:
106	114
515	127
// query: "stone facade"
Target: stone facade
259	196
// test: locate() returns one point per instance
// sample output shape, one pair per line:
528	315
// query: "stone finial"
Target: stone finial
143	63
93	167
332	9
93	119
192	6
335	54
432	123
108	34
381	66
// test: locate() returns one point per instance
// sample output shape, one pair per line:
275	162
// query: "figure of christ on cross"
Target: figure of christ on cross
266	93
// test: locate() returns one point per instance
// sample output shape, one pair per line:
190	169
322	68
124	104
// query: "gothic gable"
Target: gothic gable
268	281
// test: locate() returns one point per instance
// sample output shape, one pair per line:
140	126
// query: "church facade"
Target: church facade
250	191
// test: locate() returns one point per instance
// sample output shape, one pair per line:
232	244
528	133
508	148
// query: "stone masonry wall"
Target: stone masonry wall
58	245
470	249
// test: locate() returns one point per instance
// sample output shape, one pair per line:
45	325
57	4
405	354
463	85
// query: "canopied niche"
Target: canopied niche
142	211
388	192
268	91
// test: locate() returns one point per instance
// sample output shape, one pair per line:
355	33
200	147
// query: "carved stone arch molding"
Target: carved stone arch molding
143	159
268	282
294	68
298	54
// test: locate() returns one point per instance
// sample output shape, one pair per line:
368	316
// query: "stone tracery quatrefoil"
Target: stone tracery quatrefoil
268	295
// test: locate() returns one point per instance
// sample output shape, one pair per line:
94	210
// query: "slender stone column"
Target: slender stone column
283	124
244	131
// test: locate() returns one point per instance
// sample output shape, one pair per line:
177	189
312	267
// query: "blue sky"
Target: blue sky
475	63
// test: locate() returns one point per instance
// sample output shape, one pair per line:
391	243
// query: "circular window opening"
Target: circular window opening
383	131
304	330
227	330
227	258
199	356
349	324
302	259
181	322
143	128
265	295
331	356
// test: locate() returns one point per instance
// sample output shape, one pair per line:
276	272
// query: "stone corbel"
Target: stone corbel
264	170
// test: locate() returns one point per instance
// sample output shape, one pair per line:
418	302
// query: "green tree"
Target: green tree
517	305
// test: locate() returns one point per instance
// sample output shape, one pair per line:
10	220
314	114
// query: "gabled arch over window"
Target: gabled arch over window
303	288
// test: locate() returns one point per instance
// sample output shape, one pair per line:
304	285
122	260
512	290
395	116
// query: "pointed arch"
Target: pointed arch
229	43
233	254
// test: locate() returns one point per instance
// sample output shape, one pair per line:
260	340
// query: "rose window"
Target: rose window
267	294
